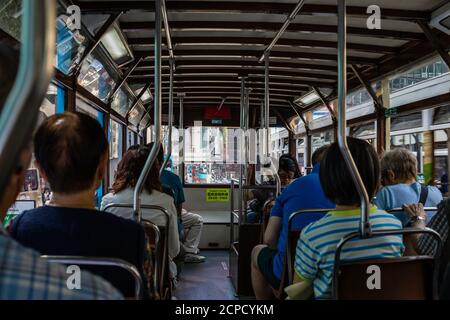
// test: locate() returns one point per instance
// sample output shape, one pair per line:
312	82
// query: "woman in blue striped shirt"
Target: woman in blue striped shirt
317	244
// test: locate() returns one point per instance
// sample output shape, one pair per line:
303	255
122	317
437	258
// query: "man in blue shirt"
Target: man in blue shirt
267	259
191	223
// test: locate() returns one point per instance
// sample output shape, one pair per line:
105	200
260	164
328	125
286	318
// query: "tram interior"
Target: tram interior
241	82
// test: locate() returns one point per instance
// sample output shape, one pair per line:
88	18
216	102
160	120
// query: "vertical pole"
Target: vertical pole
170	120
156	116
342	121
181	137
266	106
241	156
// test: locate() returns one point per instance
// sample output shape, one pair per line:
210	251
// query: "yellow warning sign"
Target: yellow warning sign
217	195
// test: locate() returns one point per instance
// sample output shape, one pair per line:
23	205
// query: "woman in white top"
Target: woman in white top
128	171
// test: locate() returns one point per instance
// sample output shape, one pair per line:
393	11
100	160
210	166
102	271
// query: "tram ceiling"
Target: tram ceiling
256	7
244	41
216	42
224	26
251	73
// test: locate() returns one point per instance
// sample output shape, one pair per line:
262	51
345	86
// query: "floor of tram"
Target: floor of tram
208	280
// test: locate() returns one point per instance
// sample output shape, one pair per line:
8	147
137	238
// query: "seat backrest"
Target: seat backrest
160	259
111	263
404	278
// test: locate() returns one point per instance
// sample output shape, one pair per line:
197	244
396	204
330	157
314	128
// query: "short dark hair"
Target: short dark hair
337	183
130	167
9	64
317	155
68	148
288	163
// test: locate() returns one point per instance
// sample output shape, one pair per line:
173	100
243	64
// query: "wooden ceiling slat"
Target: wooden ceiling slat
254	53
264	41
211	78
244	7
225	83
181	62
272	26
243	71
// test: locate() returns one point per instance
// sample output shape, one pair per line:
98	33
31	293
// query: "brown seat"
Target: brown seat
161	258
404	278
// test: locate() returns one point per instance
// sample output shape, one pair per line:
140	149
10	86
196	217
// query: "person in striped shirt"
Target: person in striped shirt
317	244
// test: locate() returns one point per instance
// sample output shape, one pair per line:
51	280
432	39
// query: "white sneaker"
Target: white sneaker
193	258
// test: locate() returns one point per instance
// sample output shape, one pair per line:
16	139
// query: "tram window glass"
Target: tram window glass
442	115
144	122
280	142
431	70
321	139
206	149
70	45
115	148
146	97
131	138
10	17
136	114
320	112
121	102
440	154
85	108
34	187
95	78
361	96
410	121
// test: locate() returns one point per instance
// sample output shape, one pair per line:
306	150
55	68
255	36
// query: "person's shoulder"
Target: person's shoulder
386	217
50	280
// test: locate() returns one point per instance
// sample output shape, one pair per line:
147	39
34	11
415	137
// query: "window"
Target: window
96	79
412	77
410	121
70	46
34	187
442	115
121	102
85	108
136	114
10	17
115	148
321	139
207	149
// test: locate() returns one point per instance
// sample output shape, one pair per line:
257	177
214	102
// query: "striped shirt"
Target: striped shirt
317	245
26	276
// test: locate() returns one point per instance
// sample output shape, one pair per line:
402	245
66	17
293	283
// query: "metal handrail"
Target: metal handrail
157	242
19	115
170	120
285	25
167	31
104	262
342	124
347	238
156	117
401	209
232	182
288	245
